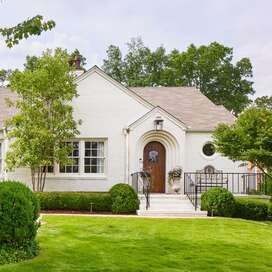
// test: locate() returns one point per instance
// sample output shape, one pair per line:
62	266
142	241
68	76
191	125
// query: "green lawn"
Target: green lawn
80	243
259	198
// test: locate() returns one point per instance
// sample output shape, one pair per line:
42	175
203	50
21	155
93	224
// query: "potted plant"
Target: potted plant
174	177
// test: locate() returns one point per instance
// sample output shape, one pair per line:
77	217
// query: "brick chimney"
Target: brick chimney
76	64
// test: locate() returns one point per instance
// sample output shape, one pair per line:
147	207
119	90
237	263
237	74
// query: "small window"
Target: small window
73	167
94	157
208	149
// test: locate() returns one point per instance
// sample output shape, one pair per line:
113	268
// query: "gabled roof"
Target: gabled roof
161	111
96	69
188	105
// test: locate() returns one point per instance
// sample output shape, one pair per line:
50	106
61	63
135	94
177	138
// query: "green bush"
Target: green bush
19	211
124	199
266	186
253	209
77	201
218	201
16	253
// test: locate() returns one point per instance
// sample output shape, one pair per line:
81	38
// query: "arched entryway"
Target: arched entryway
154	162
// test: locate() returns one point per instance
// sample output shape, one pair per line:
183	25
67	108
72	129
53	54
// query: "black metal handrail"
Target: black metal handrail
141	182
195	183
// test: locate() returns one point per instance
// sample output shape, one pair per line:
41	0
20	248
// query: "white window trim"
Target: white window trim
81	175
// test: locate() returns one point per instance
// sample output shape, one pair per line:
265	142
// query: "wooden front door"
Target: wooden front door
154	162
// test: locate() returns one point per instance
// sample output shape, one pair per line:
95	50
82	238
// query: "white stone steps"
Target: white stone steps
168	205
172	213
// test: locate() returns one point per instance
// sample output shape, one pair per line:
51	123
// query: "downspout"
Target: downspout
126	174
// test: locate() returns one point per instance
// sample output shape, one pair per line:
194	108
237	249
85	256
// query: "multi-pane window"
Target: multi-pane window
94	157
73	166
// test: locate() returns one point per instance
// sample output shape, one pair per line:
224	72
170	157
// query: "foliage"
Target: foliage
264	102
253	209
15	254
75	201
19	211
31	63
248	139
124	199
218	201
44	119
266	185
173	174
33	26
77	55
208	67
4	76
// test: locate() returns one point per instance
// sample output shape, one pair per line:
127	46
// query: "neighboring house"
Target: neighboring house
127	129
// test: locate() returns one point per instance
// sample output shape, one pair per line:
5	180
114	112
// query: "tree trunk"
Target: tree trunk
38	177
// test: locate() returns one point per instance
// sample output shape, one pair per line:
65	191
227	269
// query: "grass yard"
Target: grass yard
82	243
260	198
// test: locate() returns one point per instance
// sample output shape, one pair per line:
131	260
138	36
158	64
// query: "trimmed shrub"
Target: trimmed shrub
269	212
19	211
124	199
14	254
76	201
251	209
266	186
218	201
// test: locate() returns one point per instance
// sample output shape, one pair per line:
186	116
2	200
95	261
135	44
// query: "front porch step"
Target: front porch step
172	205
172	213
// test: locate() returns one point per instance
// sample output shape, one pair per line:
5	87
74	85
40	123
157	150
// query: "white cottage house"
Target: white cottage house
125	130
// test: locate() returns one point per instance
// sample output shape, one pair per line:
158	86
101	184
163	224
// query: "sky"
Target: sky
92	25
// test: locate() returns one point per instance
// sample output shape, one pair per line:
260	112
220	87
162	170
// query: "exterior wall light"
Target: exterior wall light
158	123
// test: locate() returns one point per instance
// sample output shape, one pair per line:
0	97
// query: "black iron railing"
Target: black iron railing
141	182
238	183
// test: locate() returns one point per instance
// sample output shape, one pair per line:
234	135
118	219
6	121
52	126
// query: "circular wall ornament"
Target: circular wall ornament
208	149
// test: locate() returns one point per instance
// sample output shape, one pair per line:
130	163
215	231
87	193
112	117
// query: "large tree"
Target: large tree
248	139
264	102
209	68
44	120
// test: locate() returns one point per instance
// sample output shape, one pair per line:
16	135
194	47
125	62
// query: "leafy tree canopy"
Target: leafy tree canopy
248	139
33	26
264	102
4	76
208	67
32	61
76	55
44	119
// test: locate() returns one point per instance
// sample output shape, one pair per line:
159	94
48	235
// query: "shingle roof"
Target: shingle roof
187	104
5	111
